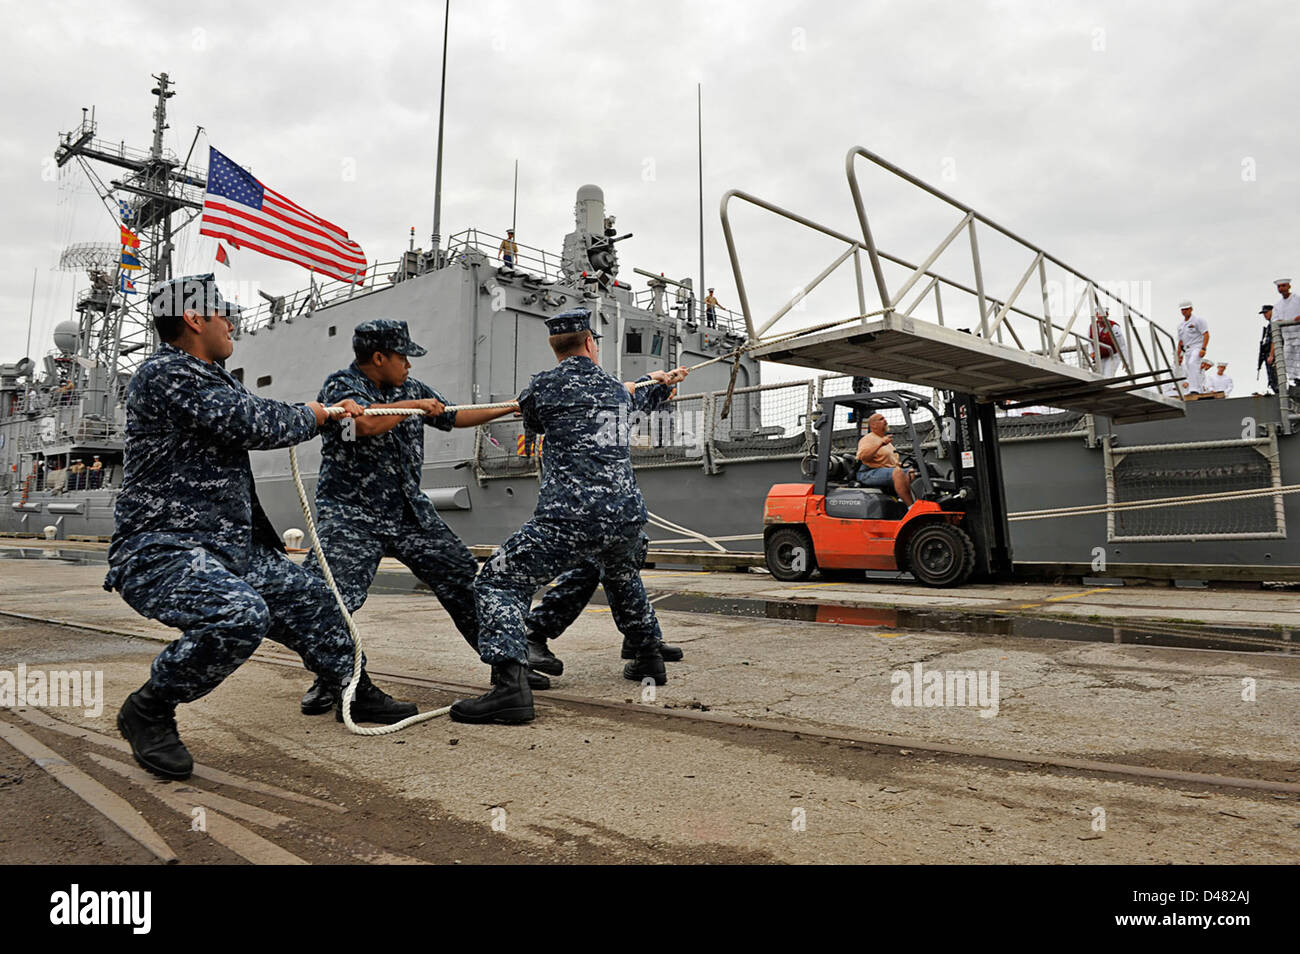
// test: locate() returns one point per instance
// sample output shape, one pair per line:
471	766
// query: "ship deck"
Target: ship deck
900	348
777	738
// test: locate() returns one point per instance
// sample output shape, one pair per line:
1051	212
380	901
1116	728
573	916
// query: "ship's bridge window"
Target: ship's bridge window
238	375
633	343
333	330
657	344
264	380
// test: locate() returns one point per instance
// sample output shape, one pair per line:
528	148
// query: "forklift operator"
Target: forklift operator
880	465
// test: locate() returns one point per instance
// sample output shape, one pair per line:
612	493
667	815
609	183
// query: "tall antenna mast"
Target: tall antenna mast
514	209
157	180
699	124
442	104
164	93
31	311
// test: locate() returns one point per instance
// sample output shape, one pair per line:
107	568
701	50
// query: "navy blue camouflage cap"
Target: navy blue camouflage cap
567	322
172	298
386	334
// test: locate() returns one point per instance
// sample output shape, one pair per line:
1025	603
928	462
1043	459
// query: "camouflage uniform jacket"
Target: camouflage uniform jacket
583	411
376	480
186	478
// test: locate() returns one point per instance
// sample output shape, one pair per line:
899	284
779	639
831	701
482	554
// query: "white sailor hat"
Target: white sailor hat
1222	364
1281	281
1184	304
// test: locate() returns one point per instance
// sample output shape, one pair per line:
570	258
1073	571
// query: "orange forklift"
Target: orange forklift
956	529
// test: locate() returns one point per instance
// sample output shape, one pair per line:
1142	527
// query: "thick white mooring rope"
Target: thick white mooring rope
350	692
1223	496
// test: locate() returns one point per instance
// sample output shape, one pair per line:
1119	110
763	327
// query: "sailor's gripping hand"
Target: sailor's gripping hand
675	376
432	407
670	379
350	409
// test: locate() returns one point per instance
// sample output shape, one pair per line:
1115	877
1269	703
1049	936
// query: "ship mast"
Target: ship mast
117	329
699	132
437	183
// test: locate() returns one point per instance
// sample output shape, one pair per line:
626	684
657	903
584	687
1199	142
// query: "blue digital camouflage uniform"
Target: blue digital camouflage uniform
192	547
589	509
370	504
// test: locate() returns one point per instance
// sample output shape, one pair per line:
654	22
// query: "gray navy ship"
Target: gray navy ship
704	467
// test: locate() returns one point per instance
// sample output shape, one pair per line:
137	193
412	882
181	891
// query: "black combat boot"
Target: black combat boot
649	663
541	659
372	704
536	680
670	653
320	698
509	700
149	724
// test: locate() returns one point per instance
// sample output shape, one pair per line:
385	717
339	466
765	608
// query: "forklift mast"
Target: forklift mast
986	517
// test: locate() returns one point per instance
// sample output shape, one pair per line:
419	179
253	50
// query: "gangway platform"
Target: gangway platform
901	348
1102	357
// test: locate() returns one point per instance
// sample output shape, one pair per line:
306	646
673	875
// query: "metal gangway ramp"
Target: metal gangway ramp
1008	353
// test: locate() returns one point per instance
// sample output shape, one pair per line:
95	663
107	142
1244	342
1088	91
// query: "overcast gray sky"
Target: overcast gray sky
1151	144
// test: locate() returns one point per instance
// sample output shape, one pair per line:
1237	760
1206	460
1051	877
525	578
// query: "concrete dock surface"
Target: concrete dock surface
771	741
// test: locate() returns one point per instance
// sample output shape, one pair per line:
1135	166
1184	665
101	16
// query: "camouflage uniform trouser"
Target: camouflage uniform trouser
564	602
434	554
537	553
224	616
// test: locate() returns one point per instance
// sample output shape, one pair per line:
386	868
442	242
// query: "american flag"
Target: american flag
240	209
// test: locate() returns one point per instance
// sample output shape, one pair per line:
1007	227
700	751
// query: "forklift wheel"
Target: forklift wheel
789	553
940	554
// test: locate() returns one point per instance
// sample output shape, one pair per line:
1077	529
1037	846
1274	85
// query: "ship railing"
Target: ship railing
674	435
88	430
691	313
119	149
1067	335
33	438
320	294
99	297
764	422
530	259
501	449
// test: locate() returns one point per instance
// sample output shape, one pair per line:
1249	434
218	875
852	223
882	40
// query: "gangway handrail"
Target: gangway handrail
743	295
1054	339
972	216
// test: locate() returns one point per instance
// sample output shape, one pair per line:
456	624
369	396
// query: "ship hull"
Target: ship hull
1042	472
